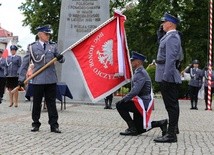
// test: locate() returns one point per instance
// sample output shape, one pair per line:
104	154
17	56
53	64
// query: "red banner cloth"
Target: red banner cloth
103	59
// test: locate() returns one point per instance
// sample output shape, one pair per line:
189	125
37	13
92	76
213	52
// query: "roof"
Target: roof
5	33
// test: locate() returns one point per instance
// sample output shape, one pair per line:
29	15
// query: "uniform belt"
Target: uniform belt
160	61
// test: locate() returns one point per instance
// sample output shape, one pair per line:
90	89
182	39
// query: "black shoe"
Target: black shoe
168	138
142	131
56	130
130	132
109	107
191	108
105	107
196	108
163	126
35	129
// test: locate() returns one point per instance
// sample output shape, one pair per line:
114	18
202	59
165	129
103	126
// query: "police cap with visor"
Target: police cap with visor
195	61
46	29
170	18
136	55
13	47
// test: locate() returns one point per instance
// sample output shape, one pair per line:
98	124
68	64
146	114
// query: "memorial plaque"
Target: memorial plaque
77	19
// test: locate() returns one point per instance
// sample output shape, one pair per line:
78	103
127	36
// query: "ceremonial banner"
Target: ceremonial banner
103	59
145	113
6	52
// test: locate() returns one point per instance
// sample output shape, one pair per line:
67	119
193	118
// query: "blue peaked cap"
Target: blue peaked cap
138	56
13	47
45	29
170	18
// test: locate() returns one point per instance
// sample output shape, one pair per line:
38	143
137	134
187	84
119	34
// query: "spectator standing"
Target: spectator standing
2	75
195	83
13	63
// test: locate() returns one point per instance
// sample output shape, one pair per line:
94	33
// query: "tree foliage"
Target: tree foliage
41	12
142	23
144	20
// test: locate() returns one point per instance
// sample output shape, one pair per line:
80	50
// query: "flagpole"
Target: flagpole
69	48
209	101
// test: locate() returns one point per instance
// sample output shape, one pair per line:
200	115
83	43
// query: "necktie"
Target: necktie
44	46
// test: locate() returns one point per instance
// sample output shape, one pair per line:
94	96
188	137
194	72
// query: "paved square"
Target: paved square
88	129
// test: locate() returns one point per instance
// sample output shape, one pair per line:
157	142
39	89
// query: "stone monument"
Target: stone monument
77	19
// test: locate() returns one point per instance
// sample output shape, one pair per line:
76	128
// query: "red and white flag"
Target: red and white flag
103	59
146	114
6	52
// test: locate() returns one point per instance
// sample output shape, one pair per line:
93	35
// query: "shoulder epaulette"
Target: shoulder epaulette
51	42
32	43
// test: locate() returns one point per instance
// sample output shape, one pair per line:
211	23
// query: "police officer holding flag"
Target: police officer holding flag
167	74
40	53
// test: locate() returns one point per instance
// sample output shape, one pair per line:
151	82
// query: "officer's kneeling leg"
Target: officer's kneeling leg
124	108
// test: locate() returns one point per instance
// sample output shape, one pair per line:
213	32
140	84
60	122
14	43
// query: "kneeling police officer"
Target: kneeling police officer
141	87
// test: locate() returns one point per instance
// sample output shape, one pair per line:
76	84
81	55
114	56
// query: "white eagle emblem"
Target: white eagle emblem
106	55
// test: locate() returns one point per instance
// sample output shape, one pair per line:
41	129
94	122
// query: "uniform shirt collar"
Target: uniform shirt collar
41	42
138	68
170	31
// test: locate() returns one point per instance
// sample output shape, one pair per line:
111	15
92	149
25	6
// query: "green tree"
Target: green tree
195	27
144	20
41	12
141	25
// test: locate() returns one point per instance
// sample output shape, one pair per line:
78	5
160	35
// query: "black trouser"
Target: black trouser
2	86
124	108
108	100
169	93
206	95
193	92
49	92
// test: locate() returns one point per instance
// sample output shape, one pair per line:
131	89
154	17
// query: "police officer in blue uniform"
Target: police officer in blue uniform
167	74
13	63
40	53
141	87
195	82
2	75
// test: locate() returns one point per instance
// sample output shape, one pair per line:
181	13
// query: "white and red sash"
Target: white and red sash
146	114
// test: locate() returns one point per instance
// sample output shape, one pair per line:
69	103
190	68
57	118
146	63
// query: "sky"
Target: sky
11	20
